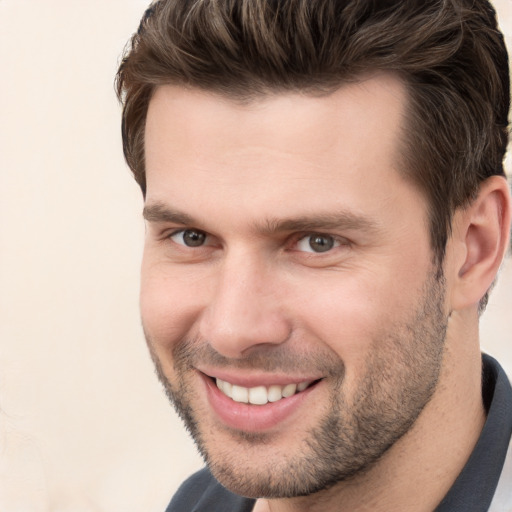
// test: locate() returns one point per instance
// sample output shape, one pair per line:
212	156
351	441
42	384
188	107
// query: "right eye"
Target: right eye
189	237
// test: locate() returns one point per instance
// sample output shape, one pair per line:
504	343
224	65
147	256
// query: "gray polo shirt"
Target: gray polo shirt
475	490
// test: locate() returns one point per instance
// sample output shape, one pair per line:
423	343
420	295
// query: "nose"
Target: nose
245	310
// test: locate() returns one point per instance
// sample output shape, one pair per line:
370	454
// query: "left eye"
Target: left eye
317	243
189	237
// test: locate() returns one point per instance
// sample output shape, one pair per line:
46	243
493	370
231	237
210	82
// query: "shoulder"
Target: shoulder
191	491
503	497
203	493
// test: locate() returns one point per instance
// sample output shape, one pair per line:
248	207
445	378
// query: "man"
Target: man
326	211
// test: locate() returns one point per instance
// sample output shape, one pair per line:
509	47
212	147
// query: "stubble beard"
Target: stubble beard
400	377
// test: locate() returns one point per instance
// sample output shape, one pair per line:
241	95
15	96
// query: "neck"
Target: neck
431	455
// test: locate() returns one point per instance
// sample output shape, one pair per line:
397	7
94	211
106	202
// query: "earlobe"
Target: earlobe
483	230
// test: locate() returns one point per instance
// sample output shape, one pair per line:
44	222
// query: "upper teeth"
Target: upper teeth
259	395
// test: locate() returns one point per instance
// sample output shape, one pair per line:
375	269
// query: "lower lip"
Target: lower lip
253	418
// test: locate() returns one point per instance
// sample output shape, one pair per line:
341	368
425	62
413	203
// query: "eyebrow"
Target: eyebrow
158	212
319	222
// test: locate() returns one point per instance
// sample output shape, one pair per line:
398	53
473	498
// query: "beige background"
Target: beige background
84	425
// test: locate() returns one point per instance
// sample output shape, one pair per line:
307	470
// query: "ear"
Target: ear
481	232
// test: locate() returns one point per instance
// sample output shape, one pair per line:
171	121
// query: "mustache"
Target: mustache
188	353
266	358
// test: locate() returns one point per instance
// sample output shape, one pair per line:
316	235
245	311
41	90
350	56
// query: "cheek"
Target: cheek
169	305
341	306
352	315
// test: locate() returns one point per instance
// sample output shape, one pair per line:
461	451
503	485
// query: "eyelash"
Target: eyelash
199	232
335	241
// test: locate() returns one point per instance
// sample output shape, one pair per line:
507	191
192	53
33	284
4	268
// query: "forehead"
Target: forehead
282	147
373	104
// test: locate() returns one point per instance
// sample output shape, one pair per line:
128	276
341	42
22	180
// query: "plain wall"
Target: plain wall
84	425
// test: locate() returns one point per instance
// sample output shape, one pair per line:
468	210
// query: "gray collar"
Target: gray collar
477	483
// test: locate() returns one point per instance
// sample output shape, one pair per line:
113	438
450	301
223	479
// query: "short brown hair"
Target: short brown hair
450	54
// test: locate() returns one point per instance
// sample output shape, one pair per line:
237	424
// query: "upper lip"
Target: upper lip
250	379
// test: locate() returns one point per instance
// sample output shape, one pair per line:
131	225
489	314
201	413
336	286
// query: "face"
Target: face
288	293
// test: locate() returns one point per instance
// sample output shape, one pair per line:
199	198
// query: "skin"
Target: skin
392	348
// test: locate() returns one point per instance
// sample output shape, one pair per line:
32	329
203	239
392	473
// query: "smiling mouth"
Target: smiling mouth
261	395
